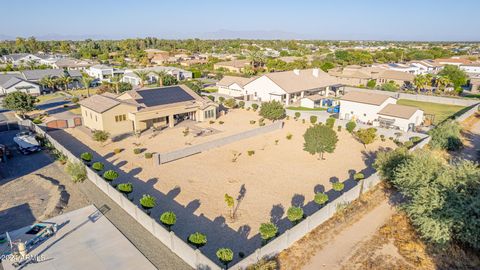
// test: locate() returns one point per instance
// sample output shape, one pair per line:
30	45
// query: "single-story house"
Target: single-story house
379	110
36	75
357	75
138	110
233	65
290	86
232	85
14	82
317	101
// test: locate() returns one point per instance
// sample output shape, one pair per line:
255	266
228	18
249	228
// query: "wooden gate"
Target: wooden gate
77	121
57	124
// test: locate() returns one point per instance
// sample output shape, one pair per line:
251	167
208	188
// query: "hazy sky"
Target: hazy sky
314	19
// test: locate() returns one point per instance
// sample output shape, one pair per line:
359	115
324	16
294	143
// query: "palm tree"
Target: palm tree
86	81
160	74
142	75
49	82
65	80
421	82
442	82
257	58
115	80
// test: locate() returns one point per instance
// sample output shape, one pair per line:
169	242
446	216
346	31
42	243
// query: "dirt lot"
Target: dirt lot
266	184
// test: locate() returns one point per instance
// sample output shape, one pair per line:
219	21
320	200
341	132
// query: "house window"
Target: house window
120	118
209	114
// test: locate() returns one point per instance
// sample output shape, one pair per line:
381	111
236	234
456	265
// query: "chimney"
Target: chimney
296	72
315	72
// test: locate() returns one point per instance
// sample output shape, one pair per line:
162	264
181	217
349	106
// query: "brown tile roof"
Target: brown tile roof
453	60
396	75
400	111
304	80
367	98
234	63
229	80
315	97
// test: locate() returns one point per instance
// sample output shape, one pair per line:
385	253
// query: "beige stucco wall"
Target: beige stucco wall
91	119
106	121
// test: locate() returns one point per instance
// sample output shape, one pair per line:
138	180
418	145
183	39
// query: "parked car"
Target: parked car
26	142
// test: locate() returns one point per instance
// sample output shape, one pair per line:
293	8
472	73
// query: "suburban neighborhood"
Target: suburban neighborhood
170	142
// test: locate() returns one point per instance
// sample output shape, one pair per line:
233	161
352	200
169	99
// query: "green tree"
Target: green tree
295	214
86	82
231	204
169	80
230	103
457	76
197	239
351	126
371	84
446	136
168	219
366	136
389	86
19	102
142	76
225	255
330	122
272	110
320	139
268	231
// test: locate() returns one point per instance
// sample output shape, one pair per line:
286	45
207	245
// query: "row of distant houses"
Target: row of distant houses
28	81
55	61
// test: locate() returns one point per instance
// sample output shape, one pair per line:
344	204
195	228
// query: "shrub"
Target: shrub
148	201
148	155
390	138
77	171
250	152
212	98
248	108
382	137
313	119
197	239
97	166
276	142
289	136
358	176
351	126
339	128
241	104
446	136
408	144
261	120
294	214
100	136
185	132
415	139
37	121
221	99
168	219
211	122
272	110
330	122
221	122
297	115
254	106
225	255
268	230
288	117
117	151
252	122
137	151
338	186
110	175
125	188
86	156
303	121
75	99
230	103
320	198
366	136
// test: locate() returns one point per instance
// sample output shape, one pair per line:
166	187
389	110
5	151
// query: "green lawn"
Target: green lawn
47	97
82	92
210	90
441	111
306	109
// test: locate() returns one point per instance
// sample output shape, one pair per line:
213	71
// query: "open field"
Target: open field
441	111
265	184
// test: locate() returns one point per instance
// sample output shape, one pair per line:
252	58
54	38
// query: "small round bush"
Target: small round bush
313	119
321	198
415	139
330	122
241	104
168	219
37	121
408	144
110	175
148	155
97	166
86	156
221	99
268	230
254	106
339	128
117	151
358	176
137	151
148	201
294	214
197	239
211	122
351	126
75	99
225	255
221	122
289	136
125	188
297	115
338	186
250	152
252	122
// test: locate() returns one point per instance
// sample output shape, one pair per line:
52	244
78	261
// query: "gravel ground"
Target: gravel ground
38	188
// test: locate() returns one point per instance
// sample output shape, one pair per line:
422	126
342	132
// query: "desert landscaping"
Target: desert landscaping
265	174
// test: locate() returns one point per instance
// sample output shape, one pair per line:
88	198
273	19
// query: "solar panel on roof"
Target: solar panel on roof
162	96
